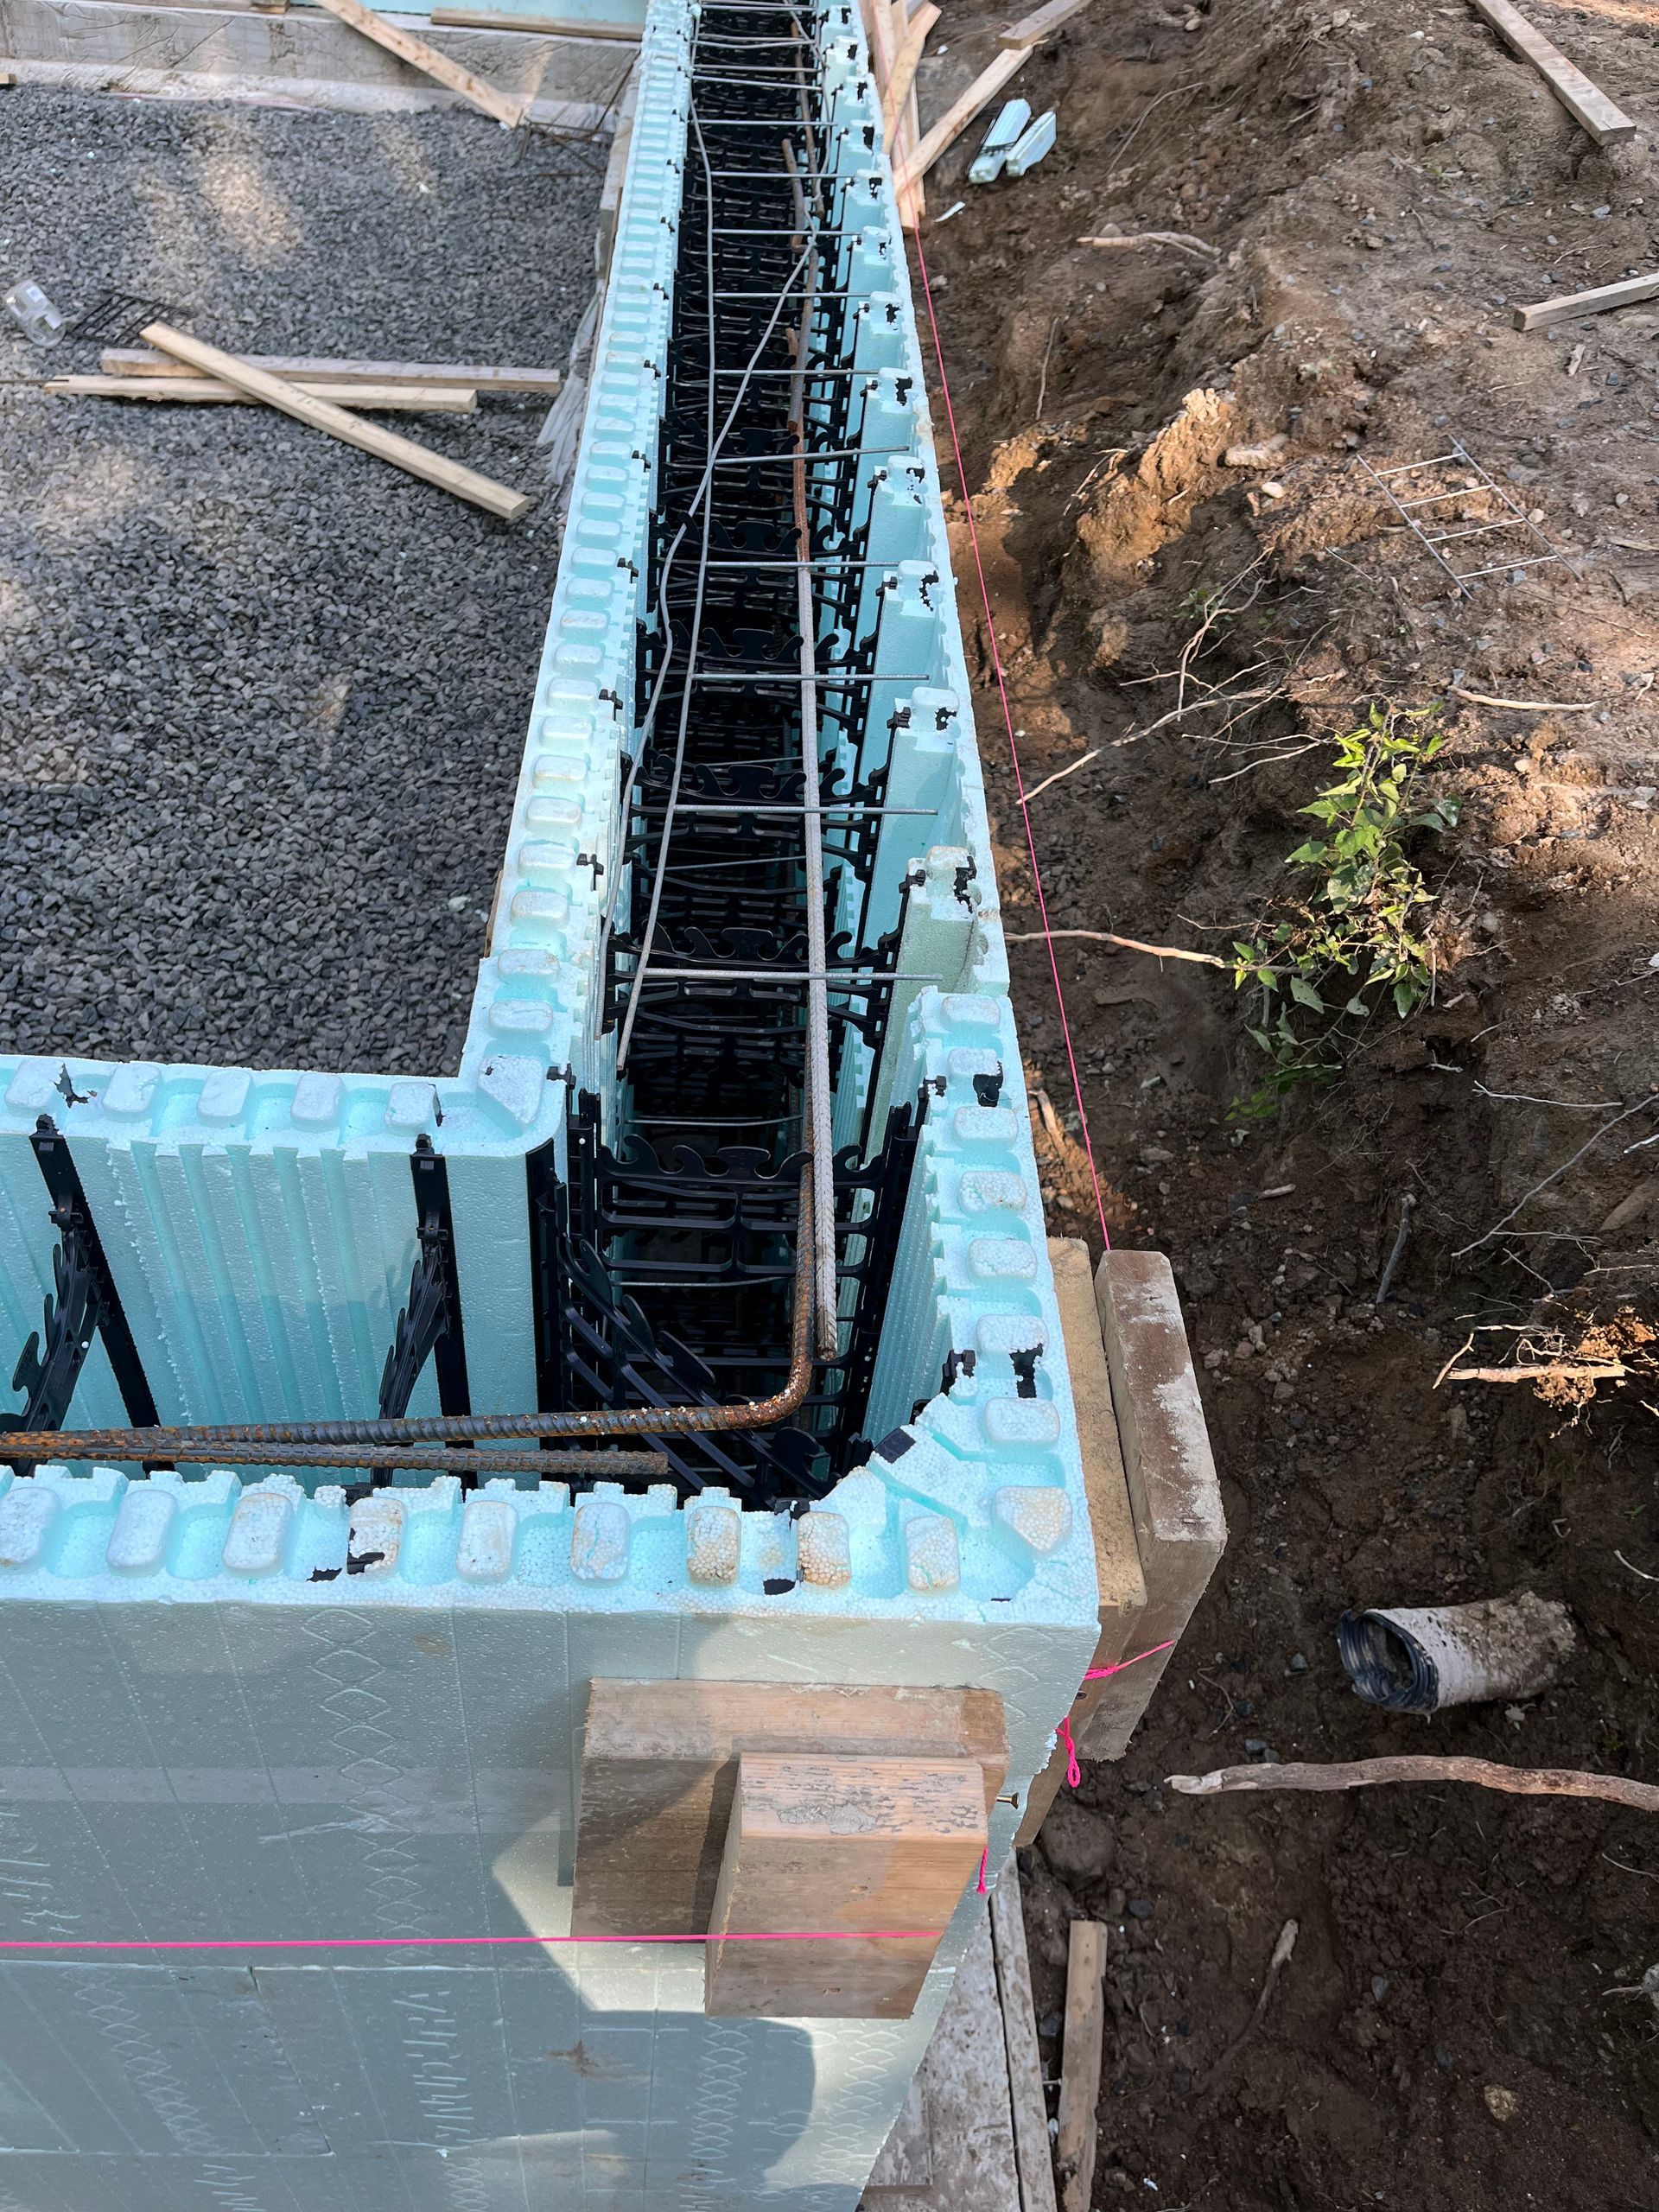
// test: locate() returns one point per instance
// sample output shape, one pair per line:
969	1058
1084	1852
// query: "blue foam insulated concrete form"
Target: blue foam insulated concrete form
255	1705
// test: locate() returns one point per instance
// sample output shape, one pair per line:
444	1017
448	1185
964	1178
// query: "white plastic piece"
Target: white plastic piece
1030	148
1003	134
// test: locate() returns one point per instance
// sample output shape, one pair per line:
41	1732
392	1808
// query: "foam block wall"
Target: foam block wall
241	1709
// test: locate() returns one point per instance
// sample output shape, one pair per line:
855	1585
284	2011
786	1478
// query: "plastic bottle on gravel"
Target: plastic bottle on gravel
33	312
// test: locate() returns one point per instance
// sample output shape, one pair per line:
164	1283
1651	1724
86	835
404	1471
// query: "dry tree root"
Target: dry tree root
1362	1774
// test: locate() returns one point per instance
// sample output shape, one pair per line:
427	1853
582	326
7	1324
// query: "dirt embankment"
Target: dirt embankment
1380	185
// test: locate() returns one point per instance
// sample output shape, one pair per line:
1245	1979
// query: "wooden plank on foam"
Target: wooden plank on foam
507	108
1117	1560
874	1853
350	429
303	368
659	1772
1587	104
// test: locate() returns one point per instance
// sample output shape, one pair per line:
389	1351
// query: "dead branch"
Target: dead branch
1553	1371
1060	775
1529	706
1128	944
1363	1774
1556	1173
1180	241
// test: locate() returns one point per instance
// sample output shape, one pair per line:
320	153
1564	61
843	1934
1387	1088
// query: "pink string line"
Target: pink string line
383	1942
1014	749
1099	1673
984	1867
1073	1771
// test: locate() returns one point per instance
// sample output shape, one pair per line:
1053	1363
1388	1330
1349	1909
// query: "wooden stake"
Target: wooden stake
369	437
507	108
956	119
1585	102
384	398
1569	306
1363	1774
141	361
1086	2030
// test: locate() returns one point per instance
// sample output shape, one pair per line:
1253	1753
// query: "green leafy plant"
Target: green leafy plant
1349	943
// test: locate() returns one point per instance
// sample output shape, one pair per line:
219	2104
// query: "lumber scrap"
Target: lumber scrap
303	368
874	1854
1567	307
481	19
659	1770
1033	29
508	109
381	398
1085	2033
1607	124
320	415
1032	2151
902	75
957	118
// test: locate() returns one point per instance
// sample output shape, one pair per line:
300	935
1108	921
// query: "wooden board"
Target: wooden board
1086	2030
385	399
659	1771
1569	306
1587	104
1118	1559
1032	30
144	361
480	19
350	429
903	76
953	2147
956	119
839	1844
507	108
1028	2109
1180	1530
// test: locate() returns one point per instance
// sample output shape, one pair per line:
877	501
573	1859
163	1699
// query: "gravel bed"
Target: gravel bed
263	697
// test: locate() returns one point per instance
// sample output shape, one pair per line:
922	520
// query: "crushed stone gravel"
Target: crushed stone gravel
263	697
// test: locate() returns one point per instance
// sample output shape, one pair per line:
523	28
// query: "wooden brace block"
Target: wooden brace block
833	1844
659	1773
1180	1530
1118	1559
1586	103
